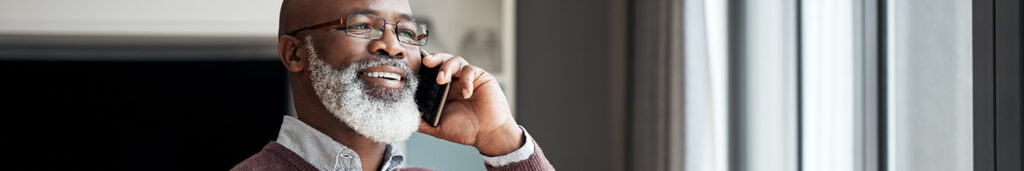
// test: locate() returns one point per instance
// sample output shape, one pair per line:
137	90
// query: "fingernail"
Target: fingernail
440	79
465	94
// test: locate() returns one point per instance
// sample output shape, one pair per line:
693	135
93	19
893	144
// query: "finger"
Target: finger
426	128
456	92
451	68
467	76
436	59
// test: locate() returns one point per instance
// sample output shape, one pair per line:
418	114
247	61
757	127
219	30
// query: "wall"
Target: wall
145	18
570	80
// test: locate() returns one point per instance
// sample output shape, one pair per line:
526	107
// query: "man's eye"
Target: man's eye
406	33
358	27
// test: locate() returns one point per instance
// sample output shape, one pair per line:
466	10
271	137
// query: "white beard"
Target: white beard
387	116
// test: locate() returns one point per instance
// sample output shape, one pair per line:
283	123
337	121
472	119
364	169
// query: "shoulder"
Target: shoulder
274	156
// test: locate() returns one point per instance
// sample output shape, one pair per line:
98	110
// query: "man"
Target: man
351	67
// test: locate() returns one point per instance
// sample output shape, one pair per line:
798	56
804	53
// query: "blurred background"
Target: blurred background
704	85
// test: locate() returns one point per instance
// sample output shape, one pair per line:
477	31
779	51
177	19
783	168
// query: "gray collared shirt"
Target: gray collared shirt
323	152
326	154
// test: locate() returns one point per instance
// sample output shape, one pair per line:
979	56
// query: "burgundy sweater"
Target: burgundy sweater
274	156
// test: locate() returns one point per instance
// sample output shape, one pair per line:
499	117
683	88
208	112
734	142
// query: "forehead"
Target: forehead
389	9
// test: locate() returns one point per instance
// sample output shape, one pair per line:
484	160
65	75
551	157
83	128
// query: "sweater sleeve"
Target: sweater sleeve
534	161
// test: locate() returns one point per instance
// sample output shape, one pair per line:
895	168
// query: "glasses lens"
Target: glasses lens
371	27
412	33
364	26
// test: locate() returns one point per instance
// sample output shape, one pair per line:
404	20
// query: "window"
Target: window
845	85
929	83
819	85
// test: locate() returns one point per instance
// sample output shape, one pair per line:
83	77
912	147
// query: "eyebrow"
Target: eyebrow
403	16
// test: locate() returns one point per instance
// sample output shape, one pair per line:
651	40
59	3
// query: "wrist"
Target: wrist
502	141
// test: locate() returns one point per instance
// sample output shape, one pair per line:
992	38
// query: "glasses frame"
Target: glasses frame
426	32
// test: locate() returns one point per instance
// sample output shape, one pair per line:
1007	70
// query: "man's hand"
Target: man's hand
477	113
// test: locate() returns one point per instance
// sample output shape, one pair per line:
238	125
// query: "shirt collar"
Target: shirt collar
323	152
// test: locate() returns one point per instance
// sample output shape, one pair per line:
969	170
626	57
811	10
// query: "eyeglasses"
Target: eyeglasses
368	26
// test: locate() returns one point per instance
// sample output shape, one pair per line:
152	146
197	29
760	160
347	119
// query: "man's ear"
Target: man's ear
288	49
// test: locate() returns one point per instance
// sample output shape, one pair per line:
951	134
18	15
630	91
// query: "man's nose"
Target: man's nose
388	44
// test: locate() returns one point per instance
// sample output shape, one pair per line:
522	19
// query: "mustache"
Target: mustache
379	60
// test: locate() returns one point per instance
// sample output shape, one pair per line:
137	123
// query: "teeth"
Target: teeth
387	75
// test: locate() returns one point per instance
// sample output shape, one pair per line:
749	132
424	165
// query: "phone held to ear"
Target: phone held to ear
430	96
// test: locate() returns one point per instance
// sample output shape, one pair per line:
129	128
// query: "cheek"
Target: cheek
414	64
344	52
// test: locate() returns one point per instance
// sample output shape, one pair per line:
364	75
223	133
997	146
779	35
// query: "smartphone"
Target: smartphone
430	96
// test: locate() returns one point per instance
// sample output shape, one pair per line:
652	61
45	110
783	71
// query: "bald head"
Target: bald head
296	14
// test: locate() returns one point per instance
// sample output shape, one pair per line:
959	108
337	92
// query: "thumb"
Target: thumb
426	128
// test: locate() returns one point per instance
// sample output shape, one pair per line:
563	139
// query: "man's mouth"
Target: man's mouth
385	75
388	77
